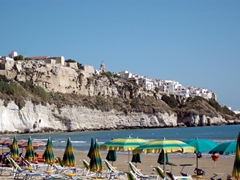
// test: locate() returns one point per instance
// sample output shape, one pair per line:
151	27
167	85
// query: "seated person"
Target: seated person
199	172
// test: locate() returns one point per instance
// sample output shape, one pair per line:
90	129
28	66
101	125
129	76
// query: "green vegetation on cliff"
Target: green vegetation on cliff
19	92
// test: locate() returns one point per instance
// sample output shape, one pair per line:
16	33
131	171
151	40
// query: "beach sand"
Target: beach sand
223	165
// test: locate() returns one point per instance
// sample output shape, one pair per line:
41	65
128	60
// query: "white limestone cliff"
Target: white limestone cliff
39	118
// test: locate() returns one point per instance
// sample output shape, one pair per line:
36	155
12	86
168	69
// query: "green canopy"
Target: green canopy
48	155
68	156
91	148
14	149
201	145
30	155
96	160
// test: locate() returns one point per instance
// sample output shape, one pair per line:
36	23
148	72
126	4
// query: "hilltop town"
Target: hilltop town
169	87
44	93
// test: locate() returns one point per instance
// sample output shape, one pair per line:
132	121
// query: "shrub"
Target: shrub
171	101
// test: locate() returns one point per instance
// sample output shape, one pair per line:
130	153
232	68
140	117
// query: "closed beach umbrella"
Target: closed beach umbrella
96	161
91	148
111	155
48	155
68	156
201	145
136	158
30	156
168	146
224	148
163	157
14	149
236	166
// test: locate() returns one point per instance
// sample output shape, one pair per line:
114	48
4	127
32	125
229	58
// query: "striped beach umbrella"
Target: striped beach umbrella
68	156
30	155
126	144
48	155
14	149
168	146
201	145
96	161
236	166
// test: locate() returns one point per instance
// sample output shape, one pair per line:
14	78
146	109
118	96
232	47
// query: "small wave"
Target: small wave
79	141
62	141
40	139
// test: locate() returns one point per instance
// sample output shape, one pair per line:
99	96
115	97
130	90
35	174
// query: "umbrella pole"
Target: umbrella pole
196	161
164	164
128	159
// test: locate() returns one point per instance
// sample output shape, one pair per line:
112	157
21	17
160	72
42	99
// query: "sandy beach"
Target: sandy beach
223	165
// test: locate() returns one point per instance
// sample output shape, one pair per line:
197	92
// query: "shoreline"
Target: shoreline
237	122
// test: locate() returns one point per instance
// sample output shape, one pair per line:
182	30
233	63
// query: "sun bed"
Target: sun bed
18	171
112	172
132	176
169	175
218	176
86	170
138	173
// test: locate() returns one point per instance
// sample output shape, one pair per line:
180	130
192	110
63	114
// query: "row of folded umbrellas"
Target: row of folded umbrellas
136	145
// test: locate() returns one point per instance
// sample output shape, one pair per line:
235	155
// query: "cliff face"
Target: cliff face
34	117
39	118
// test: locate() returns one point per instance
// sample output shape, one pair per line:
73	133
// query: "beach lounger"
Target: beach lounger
189	166
169	175
112	172
86	170
18	171
138	173
218	176
131	176
6	169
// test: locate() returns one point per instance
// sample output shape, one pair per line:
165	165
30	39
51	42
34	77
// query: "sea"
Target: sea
81	140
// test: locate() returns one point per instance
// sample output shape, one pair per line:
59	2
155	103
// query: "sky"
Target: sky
196	43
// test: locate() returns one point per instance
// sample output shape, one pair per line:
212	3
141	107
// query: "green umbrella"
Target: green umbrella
236	166
224	148
127	144
30	155
169	146
14	149
163	157
48	155
96	161
136	158
111	155
201	145
68	156
91	148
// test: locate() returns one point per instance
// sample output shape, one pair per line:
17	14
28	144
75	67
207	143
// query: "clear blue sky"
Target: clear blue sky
194	42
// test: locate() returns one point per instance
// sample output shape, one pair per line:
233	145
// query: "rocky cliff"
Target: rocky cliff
40	118
77	101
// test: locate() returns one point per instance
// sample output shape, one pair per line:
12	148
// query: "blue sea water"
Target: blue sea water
81	140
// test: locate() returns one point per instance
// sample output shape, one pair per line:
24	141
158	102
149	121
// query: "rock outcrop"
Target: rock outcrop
39	118
34	117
